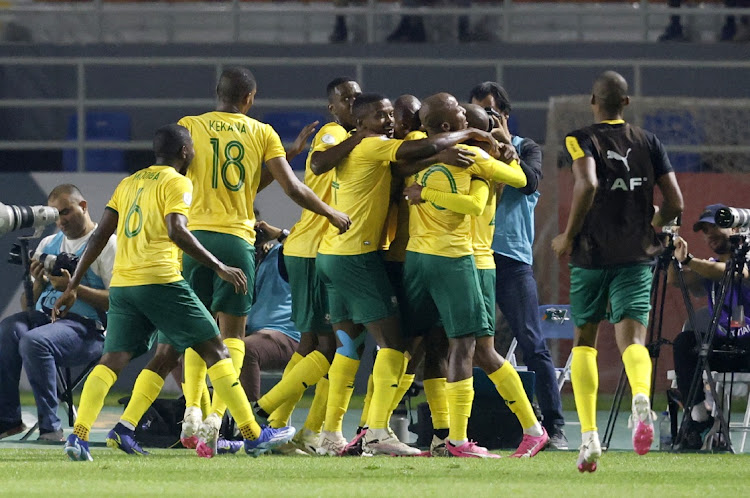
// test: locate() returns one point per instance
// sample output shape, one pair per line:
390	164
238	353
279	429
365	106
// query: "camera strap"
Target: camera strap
89	323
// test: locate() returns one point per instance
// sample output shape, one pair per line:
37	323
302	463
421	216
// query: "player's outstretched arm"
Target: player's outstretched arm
95	246
453	156
472	203
420	149
302	195
185	240
323	161
300	142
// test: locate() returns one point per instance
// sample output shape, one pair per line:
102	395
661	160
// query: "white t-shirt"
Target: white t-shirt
102	266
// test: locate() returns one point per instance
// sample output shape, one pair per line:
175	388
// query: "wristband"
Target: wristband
283	236
687	260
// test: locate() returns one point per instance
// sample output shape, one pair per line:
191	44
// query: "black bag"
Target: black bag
160	426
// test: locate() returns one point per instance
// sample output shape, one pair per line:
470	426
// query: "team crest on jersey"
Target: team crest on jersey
187	197
328	139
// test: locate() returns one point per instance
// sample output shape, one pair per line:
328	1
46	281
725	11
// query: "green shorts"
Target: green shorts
309	298
487	280
612	293
395	272
136	313
358	287
215	293
444	289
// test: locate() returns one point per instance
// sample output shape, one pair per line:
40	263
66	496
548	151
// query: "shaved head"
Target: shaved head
235	83
610	92
440	111
476	116
406	115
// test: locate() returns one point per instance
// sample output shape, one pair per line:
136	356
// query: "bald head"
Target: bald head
441	112
610	93
477	117
406	115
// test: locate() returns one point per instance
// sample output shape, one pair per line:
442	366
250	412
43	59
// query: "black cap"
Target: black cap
708	216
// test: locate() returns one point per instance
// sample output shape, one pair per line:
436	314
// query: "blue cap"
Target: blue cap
708	216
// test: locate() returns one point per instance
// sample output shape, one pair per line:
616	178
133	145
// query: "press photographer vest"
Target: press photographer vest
514	233
90	279
617	229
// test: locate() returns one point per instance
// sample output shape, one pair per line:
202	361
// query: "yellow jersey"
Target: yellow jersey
441	232
396	232
230	149
361	188
305	236
482	232
145	253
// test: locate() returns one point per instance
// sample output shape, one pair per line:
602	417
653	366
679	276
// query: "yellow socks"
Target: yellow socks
368	401
317	414
509	385
385	379
403	385
304	374
146	389
226	384
460	398
638	367
280	416
434	389
95	389
205	401
195	380
236	348
341	385
584	376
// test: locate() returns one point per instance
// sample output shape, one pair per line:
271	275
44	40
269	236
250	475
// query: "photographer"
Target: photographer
33	340
702	278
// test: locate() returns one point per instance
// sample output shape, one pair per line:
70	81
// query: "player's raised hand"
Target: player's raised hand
300	142
234	276
455	156
484	136
339	220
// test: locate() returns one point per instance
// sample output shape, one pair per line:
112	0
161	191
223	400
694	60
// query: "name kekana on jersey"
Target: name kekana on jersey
222	126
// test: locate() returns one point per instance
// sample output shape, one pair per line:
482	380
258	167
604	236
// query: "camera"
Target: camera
492	113
54	264
19	217
733	218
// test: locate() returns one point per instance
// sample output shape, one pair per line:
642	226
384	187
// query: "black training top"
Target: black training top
617	229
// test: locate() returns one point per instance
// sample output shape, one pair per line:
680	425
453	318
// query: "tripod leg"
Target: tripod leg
614	410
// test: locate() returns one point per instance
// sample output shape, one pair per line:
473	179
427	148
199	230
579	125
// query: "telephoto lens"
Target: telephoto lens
733	218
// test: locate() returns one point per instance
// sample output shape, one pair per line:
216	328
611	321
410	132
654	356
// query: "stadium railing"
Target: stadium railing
98	20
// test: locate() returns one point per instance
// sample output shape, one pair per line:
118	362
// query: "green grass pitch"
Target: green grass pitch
25	472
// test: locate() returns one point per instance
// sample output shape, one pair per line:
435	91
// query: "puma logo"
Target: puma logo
305	384
394	385
236	384
614	155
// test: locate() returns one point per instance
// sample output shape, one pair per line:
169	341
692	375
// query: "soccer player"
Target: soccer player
309	365
226	170
442	283
148	210
611	240
353	272
516	291
406	126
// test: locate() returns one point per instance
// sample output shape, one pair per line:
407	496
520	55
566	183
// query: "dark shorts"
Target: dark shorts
441	289
612	293
358	287
309	298
487	280
170	313
215	293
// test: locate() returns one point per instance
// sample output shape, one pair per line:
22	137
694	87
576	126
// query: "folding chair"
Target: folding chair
66	384
556	323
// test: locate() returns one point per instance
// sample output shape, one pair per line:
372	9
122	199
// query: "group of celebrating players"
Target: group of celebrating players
395	240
